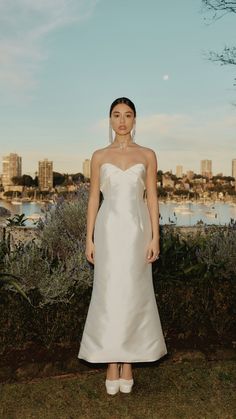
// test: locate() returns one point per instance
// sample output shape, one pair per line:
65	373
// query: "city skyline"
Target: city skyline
11	160
63	62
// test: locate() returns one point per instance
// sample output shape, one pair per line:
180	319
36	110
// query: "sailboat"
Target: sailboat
34	197
15	200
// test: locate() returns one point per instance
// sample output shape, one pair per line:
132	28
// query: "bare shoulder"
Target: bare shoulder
98	154
149	154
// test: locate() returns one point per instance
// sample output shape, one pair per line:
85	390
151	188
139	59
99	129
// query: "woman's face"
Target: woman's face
122	119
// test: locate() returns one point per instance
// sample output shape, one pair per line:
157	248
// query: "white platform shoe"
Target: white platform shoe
125	385
122	385
112	386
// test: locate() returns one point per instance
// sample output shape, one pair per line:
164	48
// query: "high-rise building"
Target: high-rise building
45	175
179	171
11	167
234	168
86	168
206	168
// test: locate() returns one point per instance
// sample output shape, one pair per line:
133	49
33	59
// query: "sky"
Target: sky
63	62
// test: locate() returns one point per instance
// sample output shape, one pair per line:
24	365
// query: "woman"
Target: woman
122	324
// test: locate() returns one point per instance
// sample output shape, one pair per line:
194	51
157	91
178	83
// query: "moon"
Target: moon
165	77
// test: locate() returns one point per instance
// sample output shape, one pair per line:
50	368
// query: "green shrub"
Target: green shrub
178	255
58	266
218	253
194	282
64	229
4	247
9	281
210	253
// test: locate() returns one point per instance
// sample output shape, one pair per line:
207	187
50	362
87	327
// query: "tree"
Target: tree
159	176
220	8
27	180
161	191
17	180
24	180
58	179
78	177
36	181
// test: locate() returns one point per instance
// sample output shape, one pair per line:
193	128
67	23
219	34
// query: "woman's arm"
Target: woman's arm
93	204
153	206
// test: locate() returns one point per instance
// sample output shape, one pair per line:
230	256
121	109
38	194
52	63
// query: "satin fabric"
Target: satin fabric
122	323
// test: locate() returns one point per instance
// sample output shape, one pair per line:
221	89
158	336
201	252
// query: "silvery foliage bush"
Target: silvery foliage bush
58	266
219	252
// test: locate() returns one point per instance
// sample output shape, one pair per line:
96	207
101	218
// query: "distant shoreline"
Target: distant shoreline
180	212
228	199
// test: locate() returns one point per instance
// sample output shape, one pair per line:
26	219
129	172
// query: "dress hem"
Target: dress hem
121	360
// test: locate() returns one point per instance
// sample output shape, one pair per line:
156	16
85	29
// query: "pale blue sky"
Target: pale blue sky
62	63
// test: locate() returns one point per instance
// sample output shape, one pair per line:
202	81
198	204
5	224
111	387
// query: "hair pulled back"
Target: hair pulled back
125	100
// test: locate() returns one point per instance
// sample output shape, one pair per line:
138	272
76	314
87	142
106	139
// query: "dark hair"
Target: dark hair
125	100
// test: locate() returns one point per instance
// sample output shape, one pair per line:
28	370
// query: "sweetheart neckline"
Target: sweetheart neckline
128	168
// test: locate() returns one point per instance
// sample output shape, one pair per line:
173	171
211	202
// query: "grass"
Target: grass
189	389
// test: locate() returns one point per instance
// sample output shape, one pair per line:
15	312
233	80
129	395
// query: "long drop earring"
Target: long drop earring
133	133
110	133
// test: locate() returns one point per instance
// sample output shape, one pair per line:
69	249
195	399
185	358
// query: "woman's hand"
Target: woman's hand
153	250
90	251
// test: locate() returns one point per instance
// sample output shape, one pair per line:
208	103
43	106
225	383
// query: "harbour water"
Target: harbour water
31	209
171	212
190	213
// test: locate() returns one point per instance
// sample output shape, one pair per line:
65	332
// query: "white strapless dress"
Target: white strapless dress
122	323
